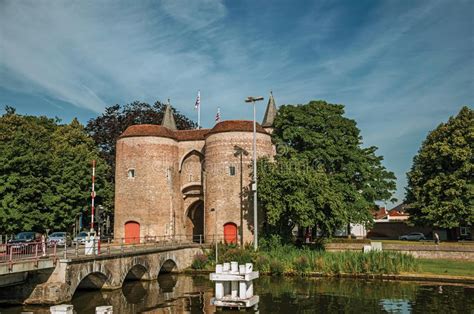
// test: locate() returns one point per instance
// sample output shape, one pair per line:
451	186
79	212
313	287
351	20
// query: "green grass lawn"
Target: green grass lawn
446	267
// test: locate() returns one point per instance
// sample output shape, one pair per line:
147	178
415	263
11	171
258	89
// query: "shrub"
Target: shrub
199	261
301	265
262	263
240	256
277	267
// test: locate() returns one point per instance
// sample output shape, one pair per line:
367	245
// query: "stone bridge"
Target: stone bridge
58	284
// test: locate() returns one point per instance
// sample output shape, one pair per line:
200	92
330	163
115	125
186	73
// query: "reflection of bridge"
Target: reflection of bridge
59	279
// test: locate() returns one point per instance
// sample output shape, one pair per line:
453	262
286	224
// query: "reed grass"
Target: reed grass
290	260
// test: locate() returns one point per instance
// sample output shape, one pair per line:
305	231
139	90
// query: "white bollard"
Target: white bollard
242	269
219	269
248	268
249	292
219	289
226	267
242	289
234	267
105	309
62	309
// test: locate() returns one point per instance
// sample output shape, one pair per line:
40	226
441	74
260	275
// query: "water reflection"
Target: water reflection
191	294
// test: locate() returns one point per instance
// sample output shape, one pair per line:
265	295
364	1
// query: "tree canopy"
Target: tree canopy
46	173
106	128
321	176
441	180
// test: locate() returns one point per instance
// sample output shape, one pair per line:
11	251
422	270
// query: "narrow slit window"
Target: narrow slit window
232	170
131	173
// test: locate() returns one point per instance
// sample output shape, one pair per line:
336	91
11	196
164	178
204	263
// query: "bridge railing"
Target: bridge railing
13	252
17	252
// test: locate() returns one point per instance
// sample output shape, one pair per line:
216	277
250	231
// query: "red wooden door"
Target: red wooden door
132	232
230	233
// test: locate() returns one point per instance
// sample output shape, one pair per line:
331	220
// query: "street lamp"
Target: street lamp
254	183
239	151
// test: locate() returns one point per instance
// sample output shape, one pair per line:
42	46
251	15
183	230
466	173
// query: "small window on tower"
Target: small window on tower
131	173
232	170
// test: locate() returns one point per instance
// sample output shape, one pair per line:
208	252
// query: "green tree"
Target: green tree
440	183
25	153
321	176
72	153
106	128
46	173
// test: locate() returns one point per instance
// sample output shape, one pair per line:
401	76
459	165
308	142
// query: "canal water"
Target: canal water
191	294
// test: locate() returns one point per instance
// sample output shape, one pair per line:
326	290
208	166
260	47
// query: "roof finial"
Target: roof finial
168	118
270	113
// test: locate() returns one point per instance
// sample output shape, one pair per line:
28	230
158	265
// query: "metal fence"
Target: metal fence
18	252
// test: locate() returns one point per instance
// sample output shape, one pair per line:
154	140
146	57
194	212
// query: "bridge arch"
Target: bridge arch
168	266
91	281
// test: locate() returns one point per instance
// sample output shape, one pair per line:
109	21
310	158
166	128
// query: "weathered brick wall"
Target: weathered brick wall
169	182
223	190
150	198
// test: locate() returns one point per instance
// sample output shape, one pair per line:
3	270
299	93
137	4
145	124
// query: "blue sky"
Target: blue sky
400	67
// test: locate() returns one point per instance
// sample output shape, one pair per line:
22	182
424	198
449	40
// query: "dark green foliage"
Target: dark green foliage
441	181
239	255
46	173
322	176
277	267
106	128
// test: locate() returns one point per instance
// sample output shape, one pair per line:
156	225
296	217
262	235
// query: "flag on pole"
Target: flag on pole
218	114
198	101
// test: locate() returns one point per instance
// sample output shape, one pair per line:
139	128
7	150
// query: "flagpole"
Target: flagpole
198	104
199	116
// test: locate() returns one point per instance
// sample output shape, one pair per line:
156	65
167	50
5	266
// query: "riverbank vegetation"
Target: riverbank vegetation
291	260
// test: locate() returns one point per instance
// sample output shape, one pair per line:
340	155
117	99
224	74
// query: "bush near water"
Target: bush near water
278	259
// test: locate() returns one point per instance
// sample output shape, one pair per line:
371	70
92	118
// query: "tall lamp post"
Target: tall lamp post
239	151
252	100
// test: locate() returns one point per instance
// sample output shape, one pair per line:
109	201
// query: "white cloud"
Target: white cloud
400	70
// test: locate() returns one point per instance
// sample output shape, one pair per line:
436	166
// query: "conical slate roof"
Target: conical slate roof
168	118
270	113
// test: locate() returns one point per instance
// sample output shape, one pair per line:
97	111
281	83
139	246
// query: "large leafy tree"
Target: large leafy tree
321	175
46	176
441	181
72	152
106	128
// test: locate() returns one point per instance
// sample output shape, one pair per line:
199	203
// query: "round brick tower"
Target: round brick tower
228	160
147	179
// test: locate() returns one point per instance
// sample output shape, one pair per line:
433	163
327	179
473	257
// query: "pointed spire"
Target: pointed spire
270	113
168	118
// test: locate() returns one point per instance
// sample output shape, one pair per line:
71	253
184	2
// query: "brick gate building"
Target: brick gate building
172	182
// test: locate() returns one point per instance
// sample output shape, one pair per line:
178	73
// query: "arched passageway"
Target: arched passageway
195	221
